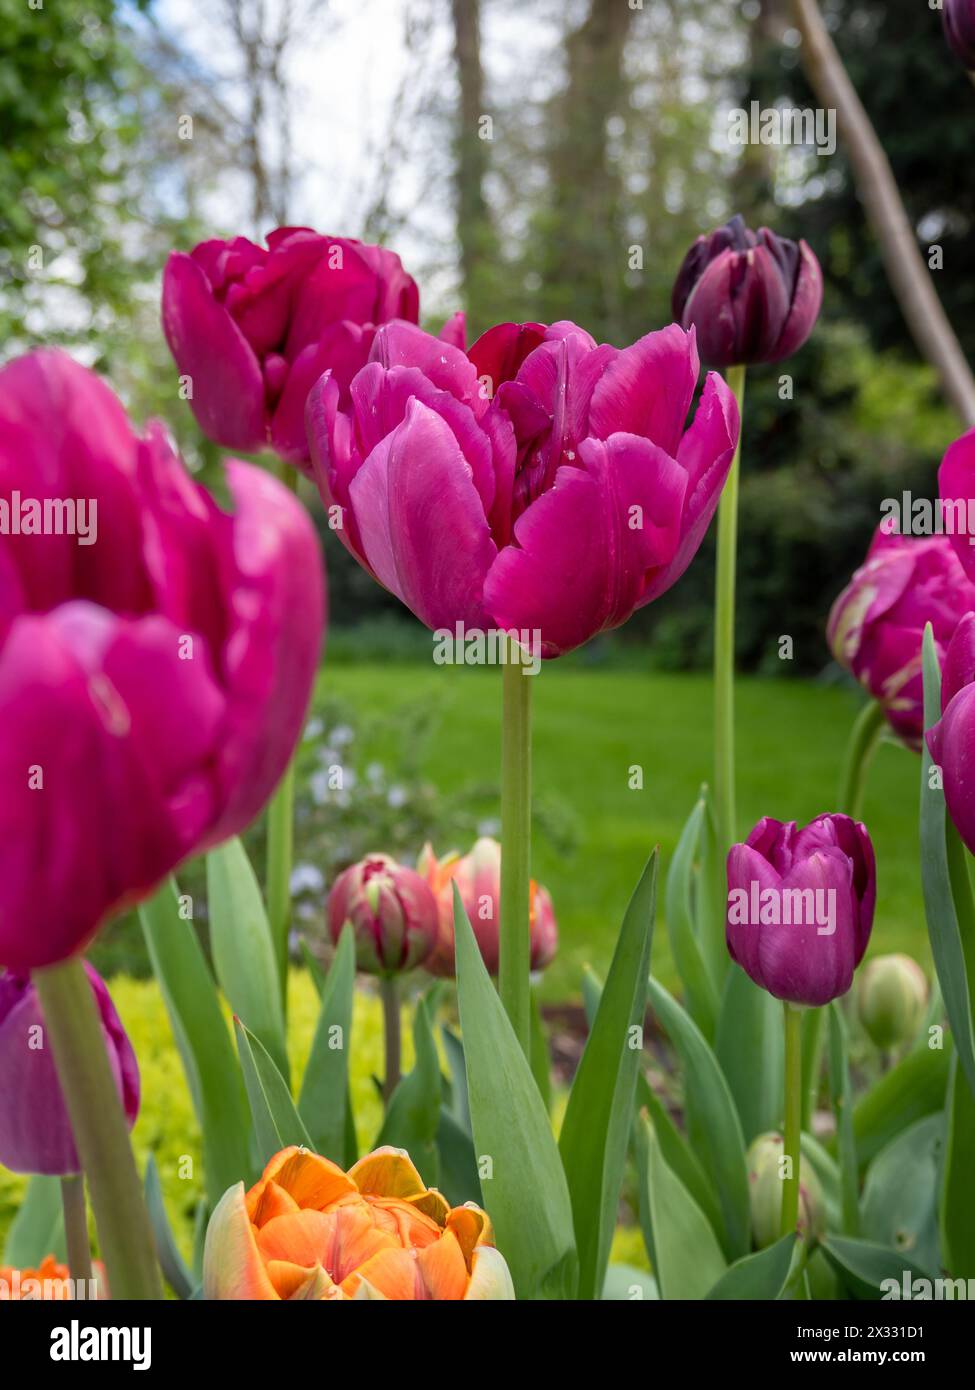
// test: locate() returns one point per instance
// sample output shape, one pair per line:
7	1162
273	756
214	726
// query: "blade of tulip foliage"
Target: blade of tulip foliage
864	1267
760	1276
38	1228
627	1284
541	1060
324	1096
599	1116
459	1180
915	1087
948	904
841	1093
459	1103
900	1194
212	1070
712	1120
243	952
171	1262
277	1123
522	1179
413	1114
684	1251
314	967
957	1208
684	880
749	1048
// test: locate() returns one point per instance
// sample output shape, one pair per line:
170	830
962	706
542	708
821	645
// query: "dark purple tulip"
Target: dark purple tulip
876	625
958	17
952	739
752	296
35	1132
800	906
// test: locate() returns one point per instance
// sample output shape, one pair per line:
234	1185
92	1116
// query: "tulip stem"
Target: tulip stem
280	851
861	746
391	1033
100	1132
793	1116
724	642
76	1228
515	934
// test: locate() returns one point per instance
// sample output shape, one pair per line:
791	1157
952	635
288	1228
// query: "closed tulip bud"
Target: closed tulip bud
392	911
800	906
478	879
892	994
958	17
952	740
252	329
765	1177
752	297
307	1230
35	1132
876	625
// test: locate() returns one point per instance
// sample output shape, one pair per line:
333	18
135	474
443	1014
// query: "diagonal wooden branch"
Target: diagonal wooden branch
908	274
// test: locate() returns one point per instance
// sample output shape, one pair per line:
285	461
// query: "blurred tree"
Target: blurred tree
476	237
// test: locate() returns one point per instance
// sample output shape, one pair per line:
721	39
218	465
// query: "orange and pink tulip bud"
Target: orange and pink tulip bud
308	1230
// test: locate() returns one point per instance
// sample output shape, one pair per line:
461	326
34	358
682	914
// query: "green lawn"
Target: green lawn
591	726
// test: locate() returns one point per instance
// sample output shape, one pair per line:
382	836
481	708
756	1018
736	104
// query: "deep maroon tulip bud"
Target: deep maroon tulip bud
392	910
800	906
952	740
752	296
35	1132
958	17
877	624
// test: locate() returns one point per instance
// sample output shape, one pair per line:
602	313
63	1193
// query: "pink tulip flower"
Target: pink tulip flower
154	674
253	329
539	482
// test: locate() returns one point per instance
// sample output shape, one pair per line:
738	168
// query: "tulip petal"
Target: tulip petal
443	1269
490	1276
647	389
210	349
314	1182
387	1172
232	1264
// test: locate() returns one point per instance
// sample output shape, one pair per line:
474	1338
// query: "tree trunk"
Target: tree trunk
475	231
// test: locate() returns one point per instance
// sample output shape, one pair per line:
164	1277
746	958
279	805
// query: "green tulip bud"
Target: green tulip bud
765	1175
892	997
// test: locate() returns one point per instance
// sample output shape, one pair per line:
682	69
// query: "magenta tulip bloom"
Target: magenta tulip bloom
35	1132
537	483
958	17
876	625
753	297
156	655
952	740
392	911
253	329
800	906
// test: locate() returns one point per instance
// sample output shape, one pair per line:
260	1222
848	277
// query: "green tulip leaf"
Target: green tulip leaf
324	1100
900	1194
915	1087
454	1052
712	1120
957	1206
749	1048
599	1116
459	1181
761	1276
243	950
541	1061
628	1284
684	1251
38	1228
841	1093
171	1262
867	1269
413	1114
212	1070
522	1179
277	1124
683	880
948	904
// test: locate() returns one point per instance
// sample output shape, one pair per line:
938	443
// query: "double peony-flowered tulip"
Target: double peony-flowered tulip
154	671
876	625
35	1131
309	1231
800	906
253	328
478	879
539	483
752	296
958	17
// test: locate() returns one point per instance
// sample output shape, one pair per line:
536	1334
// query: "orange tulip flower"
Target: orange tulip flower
307	1230
49	1281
